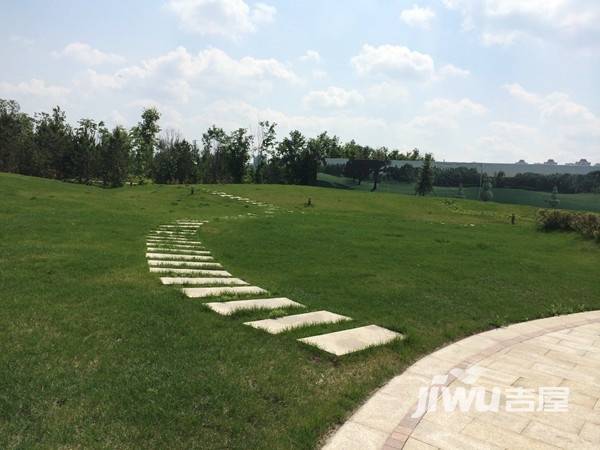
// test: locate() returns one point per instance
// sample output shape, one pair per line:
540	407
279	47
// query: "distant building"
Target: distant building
551	162
583	162
521	162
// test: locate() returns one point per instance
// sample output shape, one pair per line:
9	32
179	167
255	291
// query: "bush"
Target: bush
586	224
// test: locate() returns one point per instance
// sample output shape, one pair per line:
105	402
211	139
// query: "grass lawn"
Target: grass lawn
97	354
581	202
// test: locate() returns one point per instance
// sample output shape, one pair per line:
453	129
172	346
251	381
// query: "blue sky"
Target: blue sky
486	80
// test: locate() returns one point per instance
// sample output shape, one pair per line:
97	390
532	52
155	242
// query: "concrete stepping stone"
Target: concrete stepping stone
228	308
276	326
353	340
185	251
190	264
180	226
174	240
170	233
203	281
178	256
205	272
169	246
218	291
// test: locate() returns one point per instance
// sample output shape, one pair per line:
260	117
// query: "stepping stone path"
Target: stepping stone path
174	252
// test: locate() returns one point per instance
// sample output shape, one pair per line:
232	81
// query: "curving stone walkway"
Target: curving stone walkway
173	251
540	381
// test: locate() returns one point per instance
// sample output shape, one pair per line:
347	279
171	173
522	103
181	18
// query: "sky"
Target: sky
468	80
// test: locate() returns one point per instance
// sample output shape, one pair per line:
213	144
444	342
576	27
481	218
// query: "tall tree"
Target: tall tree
53	138
213	161
145	140
238	154
424	184
86	149
289	152
16	139
115	156
265	145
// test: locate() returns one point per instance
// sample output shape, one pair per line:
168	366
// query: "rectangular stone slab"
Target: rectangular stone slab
217	291
214	281
227	308
205	272
177	244
180	250
180	226
163	262
353	340
179	256
276	326
172	239
171	233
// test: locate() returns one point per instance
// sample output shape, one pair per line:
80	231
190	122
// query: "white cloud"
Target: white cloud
178	76
21	40
88	55
386	93
455	107
569	125
418	16
397	62
319	74
450	70
229	18
333	97
231	114
393	61
445	114
503	39
311	56
504	22
33	87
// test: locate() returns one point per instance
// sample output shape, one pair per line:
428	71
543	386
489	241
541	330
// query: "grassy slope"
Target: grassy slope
582	202
95	353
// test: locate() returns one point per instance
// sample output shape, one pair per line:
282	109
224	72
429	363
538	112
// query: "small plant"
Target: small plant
487	195
554	200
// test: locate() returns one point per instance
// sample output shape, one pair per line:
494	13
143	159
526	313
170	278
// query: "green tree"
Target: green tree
16	140
424	184
86	149
54	142
265	145
115	155
238	153
289	152
213	158
145	140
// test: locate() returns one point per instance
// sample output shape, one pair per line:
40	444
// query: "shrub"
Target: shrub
586	224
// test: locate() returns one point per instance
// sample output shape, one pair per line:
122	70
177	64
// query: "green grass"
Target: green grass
97	354
580	202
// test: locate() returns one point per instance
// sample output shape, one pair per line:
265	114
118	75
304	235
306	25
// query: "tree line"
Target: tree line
47	145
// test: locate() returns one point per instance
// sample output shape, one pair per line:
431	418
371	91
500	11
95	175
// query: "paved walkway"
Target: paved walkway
534	369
